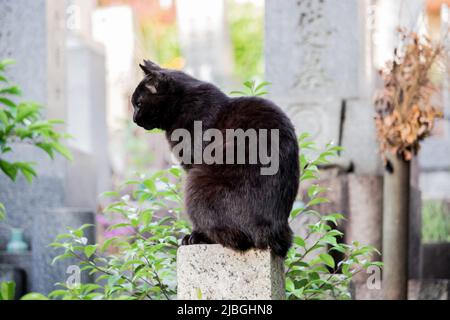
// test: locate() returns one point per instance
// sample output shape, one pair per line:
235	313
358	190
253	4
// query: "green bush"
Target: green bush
22	122
247	35
145	267
436	221
311	269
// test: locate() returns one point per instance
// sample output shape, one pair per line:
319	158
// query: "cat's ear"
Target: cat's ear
149	67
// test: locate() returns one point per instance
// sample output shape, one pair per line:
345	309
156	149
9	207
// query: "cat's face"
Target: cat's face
152	98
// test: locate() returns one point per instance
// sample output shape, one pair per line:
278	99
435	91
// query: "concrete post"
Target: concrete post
395	229
212	272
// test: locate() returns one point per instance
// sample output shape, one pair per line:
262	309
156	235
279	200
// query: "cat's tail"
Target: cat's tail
280	239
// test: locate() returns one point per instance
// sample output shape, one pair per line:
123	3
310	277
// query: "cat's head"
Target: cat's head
154	97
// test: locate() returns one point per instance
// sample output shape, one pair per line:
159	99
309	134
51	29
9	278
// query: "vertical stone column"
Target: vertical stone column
27	35
433	156
212	272
33	33
319	61
306	61
205	41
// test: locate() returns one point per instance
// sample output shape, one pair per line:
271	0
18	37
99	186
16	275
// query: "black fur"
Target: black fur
230	204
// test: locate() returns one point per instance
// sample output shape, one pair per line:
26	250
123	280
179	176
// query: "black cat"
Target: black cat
230	204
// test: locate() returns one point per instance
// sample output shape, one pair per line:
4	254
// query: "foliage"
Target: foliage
8	291
145	266
405	110
311	270
22	123
161	42
246	22
436	221
252	88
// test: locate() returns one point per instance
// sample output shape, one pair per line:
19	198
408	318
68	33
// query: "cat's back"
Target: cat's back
255	113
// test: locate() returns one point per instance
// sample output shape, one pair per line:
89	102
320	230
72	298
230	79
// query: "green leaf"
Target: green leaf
327	259
199	294
13	90
290	285
65	152
295	212
346	270
154	131
299	241
27	170
150	184
262	85
90	250
62	257
34	296
2	211
317	201
26	110
4	118
110	194
6	62
46	147
7	102
238	93
107	243
7	290
9	169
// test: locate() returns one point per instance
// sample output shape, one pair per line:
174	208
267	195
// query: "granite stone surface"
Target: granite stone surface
212	272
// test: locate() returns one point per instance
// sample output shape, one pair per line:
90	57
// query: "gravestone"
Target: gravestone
205	40
86	117
433	157
24	29
114	28
308	73
317	61
38	27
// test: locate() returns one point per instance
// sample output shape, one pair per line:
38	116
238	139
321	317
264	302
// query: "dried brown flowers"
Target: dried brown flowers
404	107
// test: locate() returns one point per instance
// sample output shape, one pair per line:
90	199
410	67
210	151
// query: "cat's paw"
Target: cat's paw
195	238
185	240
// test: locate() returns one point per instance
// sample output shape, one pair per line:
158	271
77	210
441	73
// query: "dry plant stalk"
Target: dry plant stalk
405	112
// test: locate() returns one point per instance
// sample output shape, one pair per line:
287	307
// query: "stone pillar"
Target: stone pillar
114	28
32	33
86	121
204	39
311	75
365	203
433	156
212	272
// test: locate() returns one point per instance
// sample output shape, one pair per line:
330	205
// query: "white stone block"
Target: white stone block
212	272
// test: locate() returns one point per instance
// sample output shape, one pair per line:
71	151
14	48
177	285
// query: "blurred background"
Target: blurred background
80	59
